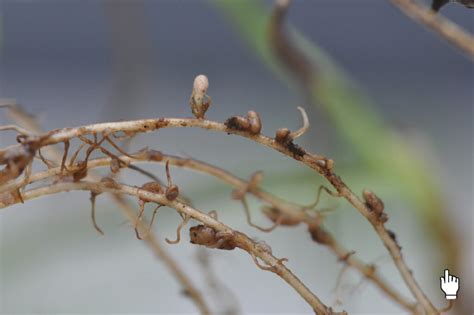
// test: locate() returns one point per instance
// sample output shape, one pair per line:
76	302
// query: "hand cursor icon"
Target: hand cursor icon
449	285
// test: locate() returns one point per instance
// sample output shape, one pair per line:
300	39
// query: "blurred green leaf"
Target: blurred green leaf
381	152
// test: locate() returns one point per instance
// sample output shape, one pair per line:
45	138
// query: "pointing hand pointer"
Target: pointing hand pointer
449	285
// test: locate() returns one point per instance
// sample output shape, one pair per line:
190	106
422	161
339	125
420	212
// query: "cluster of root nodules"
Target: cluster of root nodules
252	125
74	166
14	162
76	171
377	214
375	206
227	240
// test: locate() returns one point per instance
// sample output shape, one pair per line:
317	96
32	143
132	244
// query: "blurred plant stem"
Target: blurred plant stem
130	46
380	150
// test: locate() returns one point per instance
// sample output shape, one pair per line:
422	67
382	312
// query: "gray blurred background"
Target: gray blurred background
79	62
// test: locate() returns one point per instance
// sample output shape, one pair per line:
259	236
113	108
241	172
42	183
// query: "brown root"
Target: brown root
178	230
76	153
94	223
63	160
139	218
249	218
318	197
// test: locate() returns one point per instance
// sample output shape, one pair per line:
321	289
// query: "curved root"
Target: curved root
318	197
302	130
178	230
92	199
249	218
